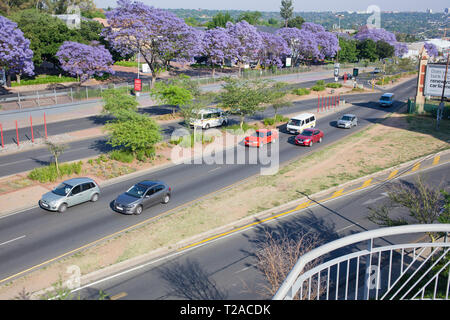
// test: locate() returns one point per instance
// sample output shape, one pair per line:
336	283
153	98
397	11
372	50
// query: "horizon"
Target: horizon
438	6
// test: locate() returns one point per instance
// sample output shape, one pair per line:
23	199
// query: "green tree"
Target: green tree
244	97
56	150
297	22
118	99
348	51
134	132
219	20
423	202
251	17
384	50
286	11
273	22
172	95
367	49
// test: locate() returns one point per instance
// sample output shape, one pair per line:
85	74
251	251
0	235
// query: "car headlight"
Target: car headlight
129	206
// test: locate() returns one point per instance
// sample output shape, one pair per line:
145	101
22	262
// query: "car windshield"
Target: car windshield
385	98
294	122
259	134
62	190
307	133
346	118
136	191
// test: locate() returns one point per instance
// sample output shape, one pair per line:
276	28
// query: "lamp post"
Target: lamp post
440	110
339	17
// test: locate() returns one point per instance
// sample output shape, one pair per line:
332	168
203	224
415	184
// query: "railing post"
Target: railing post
368	264
71	94
18	96
54	93
38	102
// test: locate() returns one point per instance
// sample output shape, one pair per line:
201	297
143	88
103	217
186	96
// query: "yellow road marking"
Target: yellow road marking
393	174
367	183
337	193
436	160
118	296
303	205
416	167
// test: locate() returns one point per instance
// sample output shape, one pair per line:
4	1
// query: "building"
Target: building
447	10
429	11
72	21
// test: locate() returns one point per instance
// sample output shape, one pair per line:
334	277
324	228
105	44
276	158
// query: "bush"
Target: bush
49	174
277	119
334	85
320	83
122	156
43	79
318	88
301	91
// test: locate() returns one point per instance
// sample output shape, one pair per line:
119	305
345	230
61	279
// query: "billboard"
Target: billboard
434	81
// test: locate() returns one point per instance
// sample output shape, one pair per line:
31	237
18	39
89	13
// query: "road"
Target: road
229	263
30	159
34	237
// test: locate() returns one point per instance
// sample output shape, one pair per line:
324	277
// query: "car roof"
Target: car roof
348	115
210	110
76	181
302	116
150	183
263	130
388	95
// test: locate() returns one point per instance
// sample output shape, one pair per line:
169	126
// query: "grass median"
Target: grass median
397	139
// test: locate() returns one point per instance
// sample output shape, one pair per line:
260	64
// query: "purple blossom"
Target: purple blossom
381	34
312	27
159	35
274	48
15	53
302	43
432	50
83	60
248	42
328	44
218	45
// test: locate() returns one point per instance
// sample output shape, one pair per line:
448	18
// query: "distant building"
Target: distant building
429	11
72	21
447	10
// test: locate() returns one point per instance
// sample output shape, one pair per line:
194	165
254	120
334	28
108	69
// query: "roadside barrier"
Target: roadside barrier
328	103
18	129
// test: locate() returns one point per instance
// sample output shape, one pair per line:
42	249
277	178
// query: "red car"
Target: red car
308	137
261	137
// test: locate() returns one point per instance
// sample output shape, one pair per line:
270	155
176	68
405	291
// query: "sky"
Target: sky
299	5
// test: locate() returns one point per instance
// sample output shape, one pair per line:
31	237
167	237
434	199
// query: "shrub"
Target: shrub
301	91
122	156
277	119
334	85
318	88
320	83
49	174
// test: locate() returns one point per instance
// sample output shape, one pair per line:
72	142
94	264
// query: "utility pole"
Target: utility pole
440	110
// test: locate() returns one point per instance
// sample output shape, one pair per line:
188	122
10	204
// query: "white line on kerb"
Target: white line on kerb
9	241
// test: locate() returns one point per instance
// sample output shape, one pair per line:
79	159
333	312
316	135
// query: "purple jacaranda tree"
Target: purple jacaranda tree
157	34
218	45
248	43
302	43
312	27
376	35
328	44
84	61
274	49
432	50
15	53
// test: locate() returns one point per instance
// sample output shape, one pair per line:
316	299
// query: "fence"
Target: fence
406	271
429	107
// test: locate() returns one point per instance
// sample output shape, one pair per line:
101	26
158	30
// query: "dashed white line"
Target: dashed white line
9	241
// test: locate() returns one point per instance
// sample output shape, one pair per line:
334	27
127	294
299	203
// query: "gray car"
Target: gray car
142	196
70	193
347	121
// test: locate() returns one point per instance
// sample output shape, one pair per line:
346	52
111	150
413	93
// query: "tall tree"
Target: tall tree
218	45
84	61
157	34
286	11
297	22
15	53
384	50
220	20
348	51
251	17
367	50
273	50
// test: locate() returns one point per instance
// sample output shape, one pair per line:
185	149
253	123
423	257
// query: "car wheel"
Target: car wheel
320	140
224	123
138	210
62	208
207	126
311	144
166	199
94	197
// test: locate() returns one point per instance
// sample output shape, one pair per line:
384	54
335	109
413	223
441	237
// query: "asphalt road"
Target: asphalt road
228	266
32	237
27	160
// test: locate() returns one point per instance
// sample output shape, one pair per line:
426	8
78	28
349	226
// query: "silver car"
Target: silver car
347	121
70	193
142	196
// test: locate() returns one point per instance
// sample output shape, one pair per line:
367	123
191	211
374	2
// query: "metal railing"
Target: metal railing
395	271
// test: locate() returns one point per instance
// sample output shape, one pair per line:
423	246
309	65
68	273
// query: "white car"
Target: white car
210	117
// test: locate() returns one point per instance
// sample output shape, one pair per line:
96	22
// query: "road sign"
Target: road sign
434	81
355	72
137	85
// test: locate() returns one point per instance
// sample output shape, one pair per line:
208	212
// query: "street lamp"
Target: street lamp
339	17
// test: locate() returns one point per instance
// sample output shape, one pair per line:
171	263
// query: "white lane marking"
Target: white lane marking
214	169
340	230
9	241
383	195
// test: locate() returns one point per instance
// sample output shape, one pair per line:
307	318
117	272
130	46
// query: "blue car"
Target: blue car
386	100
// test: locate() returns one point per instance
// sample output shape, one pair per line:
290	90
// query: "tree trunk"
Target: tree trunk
56	163
242	122
213	71
153	79
18	78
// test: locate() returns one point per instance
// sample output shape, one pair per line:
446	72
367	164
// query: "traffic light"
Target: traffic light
355	72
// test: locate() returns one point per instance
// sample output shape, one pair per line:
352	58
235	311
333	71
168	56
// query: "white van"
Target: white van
301	122
210	117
